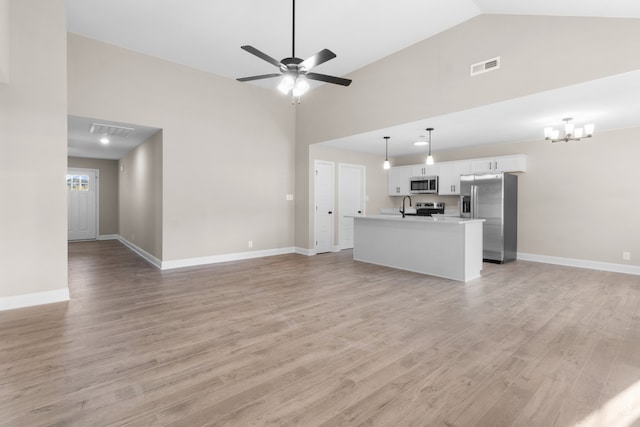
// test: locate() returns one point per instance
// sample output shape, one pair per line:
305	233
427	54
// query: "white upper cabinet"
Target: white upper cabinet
515	163
398	180
424	170
449	176
448	173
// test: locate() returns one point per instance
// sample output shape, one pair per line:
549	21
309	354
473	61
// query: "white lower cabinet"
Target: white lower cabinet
449	177
398	180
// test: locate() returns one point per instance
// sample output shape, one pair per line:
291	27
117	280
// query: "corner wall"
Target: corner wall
33	157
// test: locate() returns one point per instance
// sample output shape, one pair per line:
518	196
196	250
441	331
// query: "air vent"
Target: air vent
111	130
484	66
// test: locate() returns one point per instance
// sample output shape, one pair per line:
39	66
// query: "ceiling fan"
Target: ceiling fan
295	70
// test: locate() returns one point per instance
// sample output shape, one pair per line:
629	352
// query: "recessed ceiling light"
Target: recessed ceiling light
104	140
422	141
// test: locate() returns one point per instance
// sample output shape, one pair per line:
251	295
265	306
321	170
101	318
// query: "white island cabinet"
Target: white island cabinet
445	247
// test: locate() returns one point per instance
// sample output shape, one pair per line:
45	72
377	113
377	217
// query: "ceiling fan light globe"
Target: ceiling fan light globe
286	84
301	87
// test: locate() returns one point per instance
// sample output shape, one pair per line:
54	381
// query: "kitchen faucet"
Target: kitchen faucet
403	199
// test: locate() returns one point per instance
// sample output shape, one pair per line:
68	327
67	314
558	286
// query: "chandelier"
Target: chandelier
571	133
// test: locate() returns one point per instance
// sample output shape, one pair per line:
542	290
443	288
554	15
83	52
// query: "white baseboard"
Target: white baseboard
36	298
156	262
580	263
214	259
306	252
108	237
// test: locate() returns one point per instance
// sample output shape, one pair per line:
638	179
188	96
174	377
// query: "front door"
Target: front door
82	186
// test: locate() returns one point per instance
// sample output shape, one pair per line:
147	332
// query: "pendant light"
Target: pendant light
386	164
429	157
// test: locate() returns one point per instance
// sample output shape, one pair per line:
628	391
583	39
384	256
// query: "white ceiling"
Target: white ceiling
82	143
207	34
610	103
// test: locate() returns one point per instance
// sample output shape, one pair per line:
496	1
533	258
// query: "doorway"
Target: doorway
82	204
351	200
323	186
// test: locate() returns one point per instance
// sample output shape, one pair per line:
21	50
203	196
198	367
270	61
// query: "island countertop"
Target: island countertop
449	247
425	219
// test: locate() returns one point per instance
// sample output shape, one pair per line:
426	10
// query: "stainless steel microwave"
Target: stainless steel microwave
424	184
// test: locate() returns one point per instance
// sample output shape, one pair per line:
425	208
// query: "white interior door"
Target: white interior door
323	199
351	200
82	188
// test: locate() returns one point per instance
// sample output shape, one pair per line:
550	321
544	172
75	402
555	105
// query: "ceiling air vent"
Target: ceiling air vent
484	66
111	130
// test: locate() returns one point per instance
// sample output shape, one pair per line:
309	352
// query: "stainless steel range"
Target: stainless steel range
429	208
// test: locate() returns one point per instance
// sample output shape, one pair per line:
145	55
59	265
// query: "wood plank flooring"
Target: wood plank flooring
322	341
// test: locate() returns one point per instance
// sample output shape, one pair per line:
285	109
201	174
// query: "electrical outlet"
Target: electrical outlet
250	244
626	256
289	197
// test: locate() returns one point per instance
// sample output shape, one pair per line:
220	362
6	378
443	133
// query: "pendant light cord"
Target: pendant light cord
386	147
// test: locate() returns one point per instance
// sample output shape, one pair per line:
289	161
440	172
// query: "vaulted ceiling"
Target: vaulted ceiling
207	34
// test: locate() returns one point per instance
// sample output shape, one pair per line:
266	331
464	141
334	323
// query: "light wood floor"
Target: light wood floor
322	341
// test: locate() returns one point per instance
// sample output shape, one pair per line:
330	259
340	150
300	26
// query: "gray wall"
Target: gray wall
33	152
108	203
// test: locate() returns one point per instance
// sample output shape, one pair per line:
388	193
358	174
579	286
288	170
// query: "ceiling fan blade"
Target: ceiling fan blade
319	58
263	76
328	79
252	50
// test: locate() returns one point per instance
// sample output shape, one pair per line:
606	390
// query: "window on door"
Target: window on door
78	182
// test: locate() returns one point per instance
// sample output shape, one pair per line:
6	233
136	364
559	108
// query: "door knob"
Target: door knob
330	212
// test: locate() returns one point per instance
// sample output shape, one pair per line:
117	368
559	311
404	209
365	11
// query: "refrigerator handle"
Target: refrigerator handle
473	201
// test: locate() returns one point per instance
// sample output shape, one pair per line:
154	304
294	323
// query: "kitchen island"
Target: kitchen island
448	247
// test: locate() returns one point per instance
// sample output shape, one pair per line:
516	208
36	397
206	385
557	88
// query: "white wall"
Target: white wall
33	157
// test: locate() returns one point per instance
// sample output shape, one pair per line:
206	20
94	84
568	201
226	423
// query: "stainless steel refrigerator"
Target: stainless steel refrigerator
493	197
